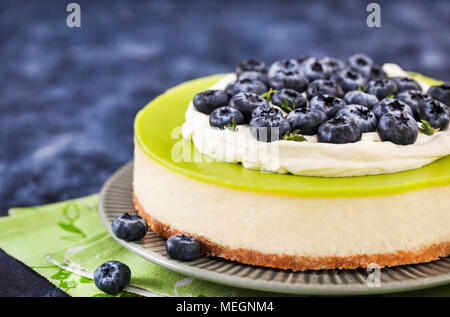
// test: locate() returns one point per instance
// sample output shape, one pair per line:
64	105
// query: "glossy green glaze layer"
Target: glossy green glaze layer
157	131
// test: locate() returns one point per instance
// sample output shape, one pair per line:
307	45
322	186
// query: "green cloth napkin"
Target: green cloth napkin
65	242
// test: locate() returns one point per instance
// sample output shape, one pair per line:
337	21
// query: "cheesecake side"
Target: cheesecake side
291	232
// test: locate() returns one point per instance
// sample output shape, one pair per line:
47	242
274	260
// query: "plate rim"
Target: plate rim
259	285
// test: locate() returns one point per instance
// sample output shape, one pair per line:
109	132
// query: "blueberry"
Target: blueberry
129	227
266	110
183	247
252	75
246	102
405	83
288	79
224	115
322	87
349	80
268	128
435	112
209	100
328	104
339	130
398	127
253	65
112	277
245	85
382	87
301	59
363	116
306	120
360	98
375	72
389	105
413	98
290	98
441	93
313	69
285	65
334	64
360	63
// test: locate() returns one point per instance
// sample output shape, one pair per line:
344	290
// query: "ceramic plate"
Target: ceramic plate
116	198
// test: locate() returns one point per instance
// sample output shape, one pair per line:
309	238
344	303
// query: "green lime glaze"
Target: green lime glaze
157	135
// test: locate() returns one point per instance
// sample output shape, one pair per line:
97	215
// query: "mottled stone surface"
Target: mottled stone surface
68	96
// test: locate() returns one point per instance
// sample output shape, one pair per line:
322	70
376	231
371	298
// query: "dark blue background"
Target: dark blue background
68	96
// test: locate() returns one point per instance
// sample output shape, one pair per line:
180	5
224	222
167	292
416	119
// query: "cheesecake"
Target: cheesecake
330	193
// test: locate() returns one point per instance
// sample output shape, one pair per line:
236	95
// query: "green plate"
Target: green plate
158	133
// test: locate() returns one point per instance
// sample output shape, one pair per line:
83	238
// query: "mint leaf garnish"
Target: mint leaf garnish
285	105
426	128
232	126
268	94
294	136
361	88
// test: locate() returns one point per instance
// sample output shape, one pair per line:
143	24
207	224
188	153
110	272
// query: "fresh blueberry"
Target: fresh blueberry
334	64
183	247
253	65
266	110
252	75
313	69
371	72
363	116
268	128
360	63
413	98
376	72
246	102
306	120
339	130
328	104
382	87
301	59
360	97
245	85
398	127
129	227
349	79
112	277
224	115
288	98
285	65
441	93
435	112
405	83
288	79
389	105
209	100
322	87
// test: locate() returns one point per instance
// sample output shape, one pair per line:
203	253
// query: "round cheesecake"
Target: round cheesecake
382	210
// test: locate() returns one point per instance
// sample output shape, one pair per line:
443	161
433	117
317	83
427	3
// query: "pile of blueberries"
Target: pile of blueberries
335	99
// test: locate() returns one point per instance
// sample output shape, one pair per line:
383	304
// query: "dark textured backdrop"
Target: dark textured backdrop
68	96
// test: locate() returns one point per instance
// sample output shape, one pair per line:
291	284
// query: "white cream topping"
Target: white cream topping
370	156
